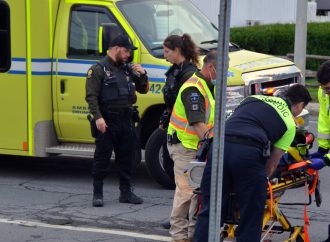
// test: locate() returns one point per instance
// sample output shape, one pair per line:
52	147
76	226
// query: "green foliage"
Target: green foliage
278	39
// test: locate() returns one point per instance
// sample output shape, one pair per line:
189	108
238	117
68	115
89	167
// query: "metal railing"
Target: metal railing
310	73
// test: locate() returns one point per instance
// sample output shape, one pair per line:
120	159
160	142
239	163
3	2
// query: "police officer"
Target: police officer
110	93
192	117
182	53
323	136
257	134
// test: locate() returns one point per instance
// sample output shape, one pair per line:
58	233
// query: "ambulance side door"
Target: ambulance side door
76	49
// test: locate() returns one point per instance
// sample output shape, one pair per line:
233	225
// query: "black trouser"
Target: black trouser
244	172
120	138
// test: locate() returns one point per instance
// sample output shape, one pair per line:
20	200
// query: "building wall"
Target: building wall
323	4
251	12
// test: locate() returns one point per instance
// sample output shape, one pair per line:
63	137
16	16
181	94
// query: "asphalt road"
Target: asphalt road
50	200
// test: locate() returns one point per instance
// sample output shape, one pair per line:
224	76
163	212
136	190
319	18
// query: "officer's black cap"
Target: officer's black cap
123	41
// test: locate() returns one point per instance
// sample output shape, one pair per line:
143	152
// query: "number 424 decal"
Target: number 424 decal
156	88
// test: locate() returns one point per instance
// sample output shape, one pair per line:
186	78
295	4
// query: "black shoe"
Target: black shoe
166	225
129	197
97	193
97	200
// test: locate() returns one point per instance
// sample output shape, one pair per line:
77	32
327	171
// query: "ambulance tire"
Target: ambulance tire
159	164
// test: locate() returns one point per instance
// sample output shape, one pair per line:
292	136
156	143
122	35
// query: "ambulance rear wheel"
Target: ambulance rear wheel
158	161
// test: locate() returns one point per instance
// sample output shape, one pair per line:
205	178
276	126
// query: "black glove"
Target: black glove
203	148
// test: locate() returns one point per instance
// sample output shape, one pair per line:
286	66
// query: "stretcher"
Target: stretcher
274	220
294	171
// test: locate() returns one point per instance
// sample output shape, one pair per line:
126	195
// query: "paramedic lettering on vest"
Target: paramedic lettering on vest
192	118
110	93
257	134
323	126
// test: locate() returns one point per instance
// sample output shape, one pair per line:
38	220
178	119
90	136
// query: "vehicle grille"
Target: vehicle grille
266	82
261	88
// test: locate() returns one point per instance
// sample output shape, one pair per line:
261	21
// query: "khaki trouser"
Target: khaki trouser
184	202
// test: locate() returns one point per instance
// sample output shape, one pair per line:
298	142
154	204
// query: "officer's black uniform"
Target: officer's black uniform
175	77
110	93
248	131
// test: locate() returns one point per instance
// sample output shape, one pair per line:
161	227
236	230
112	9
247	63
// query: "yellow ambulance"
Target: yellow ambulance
47	46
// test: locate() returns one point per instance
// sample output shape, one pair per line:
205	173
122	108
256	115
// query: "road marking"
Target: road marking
87	229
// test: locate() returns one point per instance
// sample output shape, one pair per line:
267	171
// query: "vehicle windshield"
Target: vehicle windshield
154	20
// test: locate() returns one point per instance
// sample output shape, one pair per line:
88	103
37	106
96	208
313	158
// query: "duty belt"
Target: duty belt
173	139
244	141
117	113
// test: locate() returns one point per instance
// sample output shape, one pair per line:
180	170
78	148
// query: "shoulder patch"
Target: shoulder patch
194	97
194	107
89	73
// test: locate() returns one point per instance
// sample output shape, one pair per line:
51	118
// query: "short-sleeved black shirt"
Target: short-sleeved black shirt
256	120
194	102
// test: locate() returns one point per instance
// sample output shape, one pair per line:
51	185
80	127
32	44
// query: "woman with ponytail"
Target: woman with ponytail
183	54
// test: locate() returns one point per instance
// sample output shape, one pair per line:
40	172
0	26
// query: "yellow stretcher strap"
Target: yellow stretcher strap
297	165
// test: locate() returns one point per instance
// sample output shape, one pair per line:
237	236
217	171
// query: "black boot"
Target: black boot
166	225
127	196
98	194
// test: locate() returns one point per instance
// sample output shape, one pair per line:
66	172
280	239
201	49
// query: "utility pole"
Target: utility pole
301	37
219	121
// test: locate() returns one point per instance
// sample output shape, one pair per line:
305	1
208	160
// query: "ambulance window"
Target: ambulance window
84	26
5	53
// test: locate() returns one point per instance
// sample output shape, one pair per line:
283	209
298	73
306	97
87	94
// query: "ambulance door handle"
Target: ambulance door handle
62	86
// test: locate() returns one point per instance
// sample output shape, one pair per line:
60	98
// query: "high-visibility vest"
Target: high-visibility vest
323	127
179	123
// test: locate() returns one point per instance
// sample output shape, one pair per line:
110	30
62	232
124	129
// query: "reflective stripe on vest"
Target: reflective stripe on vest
178	120
323	124
182	122
323	136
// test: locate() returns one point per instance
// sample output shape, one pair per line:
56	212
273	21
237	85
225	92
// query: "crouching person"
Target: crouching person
257	134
